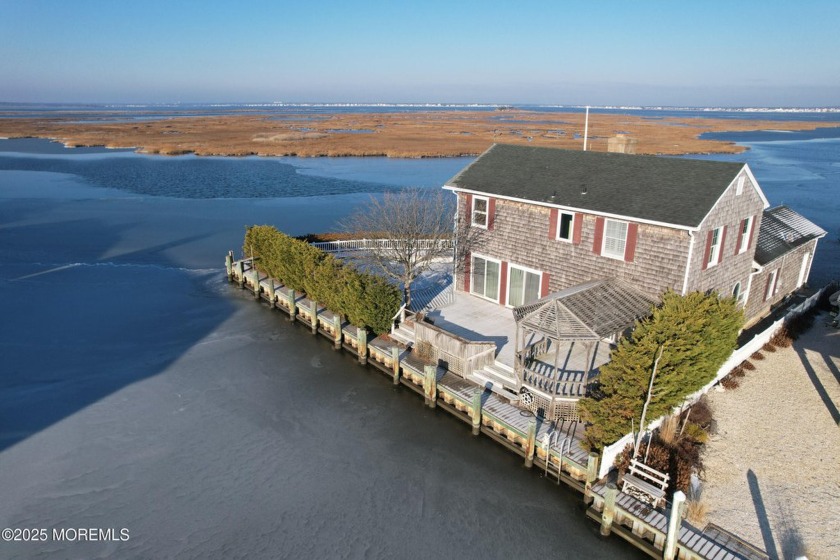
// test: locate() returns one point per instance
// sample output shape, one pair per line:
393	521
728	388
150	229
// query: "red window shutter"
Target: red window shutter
630	246
752	231
578	228
552	223
722	244
738	238
491	213
468	211
544	285
503	282
708	250
599	235
467	266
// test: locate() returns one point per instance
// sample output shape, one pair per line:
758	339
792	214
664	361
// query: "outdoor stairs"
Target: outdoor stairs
403	334
497	377
434	297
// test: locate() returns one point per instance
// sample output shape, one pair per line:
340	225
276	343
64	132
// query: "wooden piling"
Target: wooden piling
242	274
229	265
607	516
271	292
591	476
292	305
476	412
395	364
531	445
361	342
256	283
430	385
338	333
674	523
314	311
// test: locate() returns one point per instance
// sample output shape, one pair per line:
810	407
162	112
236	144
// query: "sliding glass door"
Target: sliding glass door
485	278
523	286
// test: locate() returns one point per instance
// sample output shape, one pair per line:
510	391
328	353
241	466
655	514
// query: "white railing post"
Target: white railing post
674	524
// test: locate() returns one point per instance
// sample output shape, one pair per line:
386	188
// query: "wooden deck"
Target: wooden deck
651	524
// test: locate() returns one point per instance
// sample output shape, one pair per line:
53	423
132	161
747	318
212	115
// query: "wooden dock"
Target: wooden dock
554	447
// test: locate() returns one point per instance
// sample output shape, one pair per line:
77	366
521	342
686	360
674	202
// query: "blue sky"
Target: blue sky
701	53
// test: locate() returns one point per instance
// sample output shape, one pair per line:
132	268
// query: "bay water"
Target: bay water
140	391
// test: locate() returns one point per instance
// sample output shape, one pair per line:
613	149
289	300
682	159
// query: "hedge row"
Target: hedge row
365	299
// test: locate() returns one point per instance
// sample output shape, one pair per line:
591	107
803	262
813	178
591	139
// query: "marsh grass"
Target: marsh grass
696	512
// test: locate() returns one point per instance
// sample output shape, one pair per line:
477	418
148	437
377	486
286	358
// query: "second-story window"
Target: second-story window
615	239
714	248
479	211
565	221
744	242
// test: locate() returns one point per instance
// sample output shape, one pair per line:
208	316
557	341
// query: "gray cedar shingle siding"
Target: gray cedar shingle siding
788	267
619	184
520	236
731	268
784	241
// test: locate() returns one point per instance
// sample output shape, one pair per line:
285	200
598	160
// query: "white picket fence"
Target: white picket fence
349	245
739	355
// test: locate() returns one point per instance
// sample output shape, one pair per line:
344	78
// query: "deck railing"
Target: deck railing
349	245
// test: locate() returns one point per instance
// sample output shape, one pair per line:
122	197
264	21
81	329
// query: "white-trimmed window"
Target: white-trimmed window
479	211
771	285
523	285
739	186
738	293
745	235
565	226
714	248
615	239
486	275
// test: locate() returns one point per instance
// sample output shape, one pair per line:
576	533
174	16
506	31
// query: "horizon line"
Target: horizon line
756	108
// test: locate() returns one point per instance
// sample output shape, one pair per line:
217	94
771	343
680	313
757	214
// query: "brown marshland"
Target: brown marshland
420	134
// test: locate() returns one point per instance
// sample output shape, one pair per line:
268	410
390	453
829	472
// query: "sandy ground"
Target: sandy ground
431	134
772	469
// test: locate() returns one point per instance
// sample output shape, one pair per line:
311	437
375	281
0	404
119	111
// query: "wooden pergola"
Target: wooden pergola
587	314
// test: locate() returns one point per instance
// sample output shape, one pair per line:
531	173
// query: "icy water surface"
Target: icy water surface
140	391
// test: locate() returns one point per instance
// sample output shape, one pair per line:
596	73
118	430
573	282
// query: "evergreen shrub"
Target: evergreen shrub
696	332
365	299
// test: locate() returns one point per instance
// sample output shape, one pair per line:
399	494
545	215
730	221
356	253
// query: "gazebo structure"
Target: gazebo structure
551	327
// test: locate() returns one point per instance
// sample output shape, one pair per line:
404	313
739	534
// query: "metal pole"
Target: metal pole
586	128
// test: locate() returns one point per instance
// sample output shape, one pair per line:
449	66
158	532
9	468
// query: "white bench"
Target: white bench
645	484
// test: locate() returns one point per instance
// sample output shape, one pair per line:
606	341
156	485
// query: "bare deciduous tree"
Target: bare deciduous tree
413	227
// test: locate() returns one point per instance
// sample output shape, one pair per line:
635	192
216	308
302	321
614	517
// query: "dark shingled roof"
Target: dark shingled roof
783	230
661	189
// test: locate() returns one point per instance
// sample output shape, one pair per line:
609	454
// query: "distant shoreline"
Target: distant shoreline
414	134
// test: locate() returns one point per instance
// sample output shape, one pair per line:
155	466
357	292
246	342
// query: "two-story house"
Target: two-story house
579	244
550	219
